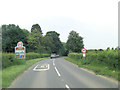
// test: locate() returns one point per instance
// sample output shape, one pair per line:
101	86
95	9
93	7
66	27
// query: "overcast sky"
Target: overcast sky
95	20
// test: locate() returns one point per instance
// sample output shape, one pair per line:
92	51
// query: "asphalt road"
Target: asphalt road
59	73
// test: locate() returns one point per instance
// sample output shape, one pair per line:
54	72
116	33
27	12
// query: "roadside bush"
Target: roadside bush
75	55
32	55
108	58
8	59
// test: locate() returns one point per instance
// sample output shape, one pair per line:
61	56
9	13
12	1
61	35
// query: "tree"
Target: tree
36	27
74	42
108	49
11	35
58	48
65	49
25	35
112	48
35	41
48	43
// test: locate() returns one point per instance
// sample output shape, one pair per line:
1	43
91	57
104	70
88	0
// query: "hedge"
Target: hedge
8	59
109	58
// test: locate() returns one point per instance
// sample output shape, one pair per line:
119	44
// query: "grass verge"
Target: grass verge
10	73
98	69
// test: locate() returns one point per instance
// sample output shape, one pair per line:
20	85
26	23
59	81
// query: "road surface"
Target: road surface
59	73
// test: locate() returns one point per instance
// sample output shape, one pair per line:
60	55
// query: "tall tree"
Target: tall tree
74	42
56	41
48	43
25	35
65	49
35	41
36	27
11	35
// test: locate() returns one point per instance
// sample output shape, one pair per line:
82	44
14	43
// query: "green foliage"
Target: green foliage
25	43
112	48
108	49
48	44
74	42
109	58
8	59
35	41
36	27
65	49
11	35
101	62
58	46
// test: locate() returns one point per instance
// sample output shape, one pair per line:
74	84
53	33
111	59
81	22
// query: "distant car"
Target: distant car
57	55
53	55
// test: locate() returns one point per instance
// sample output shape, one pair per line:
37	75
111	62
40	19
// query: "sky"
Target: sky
95	20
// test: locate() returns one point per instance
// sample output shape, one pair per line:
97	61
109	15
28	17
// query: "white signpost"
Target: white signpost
83	51
20	51
83	54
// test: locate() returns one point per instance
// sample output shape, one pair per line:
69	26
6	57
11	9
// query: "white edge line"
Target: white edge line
57	71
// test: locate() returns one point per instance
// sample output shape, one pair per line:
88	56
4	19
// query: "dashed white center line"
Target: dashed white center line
53	63
57	72
67	87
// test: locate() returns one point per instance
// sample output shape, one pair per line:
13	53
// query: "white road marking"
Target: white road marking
35	67
67	87
48	67
53	63
42	66
57	72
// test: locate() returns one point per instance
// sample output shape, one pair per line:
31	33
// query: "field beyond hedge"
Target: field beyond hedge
101	62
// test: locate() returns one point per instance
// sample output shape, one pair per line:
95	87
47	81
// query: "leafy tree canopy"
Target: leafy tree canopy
36	27
35	41
74	42
48	43
56	41
11	35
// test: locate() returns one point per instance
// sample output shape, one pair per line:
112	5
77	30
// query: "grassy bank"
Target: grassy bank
99	63
10	73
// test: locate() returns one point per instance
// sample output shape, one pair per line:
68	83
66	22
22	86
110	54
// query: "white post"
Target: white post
84	55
